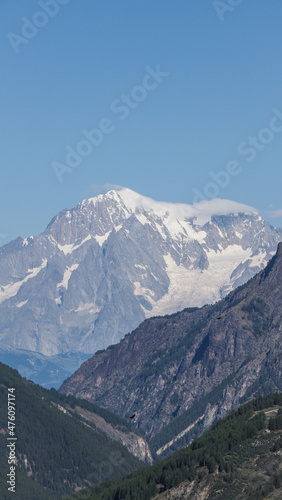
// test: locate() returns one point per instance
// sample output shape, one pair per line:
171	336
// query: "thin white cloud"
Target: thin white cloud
275	213
109	187
96	189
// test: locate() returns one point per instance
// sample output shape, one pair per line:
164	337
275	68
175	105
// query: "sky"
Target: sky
179	101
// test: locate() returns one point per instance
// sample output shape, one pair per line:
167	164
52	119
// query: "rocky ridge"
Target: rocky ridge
101	268
186	370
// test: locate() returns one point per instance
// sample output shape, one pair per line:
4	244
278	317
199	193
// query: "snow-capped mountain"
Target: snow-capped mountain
101	268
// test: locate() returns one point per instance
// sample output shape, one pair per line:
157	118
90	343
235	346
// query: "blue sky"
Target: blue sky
217	106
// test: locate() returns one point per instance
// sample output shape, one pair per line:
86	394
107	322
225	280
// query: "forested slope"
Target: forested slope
57	450
239	458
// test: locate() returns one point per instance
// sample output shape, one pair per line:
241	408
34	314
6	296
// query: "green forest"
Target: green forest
222	449
57	453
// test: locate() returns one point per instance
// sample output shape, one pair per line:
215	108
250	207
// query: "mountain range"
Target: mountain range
180	373
101	268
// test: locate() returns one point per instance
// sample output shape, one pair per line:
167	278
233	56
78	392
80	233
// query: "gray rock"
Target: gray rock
100	269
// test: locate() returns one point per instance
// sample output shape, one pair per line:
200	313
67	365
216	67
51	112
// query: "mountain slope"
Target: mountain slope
238	459
100	269
180	373
62	443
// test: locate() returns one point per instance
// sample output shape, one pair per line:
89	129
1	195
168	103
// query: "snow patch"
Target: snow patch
146	293
67	249
12	289
102	239
67	274
20	304
90	307
25	242
142	219
258	260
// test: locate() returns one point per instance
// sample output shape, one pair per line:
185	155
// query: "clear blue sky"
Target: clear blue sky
224	81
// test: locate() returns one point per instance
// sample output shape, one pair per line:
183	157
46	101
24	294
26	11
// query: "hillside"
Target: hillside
240	458
104	266
62	443
181	373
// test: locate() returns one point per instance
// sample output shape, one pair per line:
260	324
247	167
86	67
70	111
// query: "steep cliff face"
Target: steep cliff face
133	442
184	371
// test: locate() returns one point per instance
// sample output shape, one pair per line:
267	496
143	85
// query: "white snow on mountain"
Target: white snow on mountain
101	268
12	289
71	248
67	275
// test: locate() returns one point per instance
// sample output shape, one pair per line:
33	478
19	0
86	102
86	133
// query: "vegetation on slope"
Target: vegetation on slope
56	452
240	457
186	370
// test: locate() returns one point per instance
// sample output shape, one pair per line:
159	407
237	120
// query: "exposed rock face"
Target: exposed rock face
187	491
134	443
194	366
101	268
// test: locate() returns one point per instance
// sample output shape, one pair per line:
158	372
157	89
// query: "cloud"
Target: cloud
105	188
275	213
96	189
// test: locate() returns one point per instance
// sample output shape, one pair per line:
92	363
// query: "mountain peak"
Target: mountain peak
105	265
202	211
